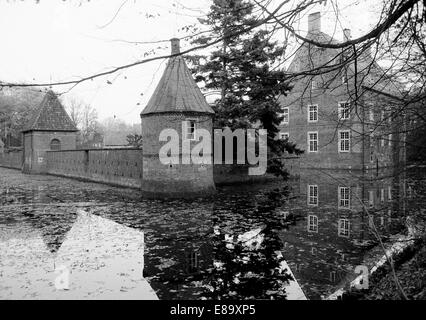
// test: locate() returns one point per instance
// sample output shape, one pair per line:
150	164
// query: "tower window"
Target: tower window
55	145
190	128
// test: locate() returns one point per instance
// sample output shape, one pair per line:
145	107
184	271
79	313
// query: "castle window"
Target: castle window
344	197
344	110
313	113
190	127
371	198
371	113
284	135
286	116
312	195
344	228
312	223
344	141
55	145
313	141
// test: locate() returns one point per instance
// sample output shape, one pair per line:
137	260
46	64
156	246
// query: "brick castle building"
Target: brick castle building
347	117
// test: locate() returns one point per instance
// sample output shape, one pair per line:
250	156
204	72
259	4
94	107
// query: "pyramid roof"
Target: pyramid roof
50	116
177	90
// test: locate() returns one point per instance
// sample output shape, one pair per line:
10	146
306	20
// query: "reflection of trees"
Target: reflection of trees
248	265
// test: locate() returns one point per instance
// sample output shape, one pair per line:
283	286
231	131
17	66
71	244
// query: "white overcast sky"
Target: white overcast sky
59	40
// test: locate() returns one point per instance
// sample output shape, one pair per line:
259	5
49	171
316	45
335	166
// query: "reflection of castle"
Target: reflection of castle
341	212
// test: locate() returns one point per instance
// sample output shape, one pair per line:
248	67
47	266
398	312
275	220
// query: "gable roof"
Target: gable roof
299	62
50	116
375	76
177	90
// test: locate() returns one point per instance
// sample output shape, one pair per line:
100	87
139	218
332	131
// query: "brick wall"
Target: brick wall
174	179
124	167
367	150
12	159
36	144
121	167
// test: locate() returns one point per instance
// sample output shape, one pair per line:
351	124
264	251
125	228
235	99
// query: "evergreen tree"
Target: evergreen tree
241	71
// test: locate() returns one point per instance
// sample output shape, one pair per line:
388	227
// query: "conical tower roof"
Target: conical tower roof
177	90
50	116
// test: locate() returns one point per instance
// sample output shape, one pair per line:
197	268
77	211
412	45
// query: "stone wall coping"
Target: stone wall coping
103	149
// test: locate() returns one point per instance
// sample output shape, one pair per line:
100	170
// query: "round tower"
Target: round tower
177	115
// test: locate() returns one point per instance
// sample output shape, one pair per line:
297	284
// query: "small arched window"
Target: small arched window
55	145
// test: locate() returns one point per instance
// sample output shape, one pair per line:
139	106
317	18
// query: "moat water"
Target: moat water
238	244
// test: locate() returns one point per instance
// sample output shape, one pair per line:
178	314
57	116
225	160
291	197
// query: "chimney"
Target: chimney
346	35
175	45
314	22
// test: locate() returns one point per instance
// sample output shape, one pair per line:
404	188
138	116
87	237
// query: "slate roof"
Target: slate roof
376	77
177	91
50	116
300	61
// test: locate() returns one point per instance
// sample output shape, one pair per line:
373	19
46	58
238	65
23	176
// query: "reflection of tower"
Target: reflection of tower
178	106
179	253
192	260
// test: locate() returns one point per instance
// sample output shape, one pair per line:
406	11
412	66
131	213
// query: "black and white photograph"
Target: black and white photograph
213	151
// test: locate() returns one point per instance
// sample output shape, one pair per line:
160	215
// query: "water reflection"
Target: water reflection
71	256
266	241
343	214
